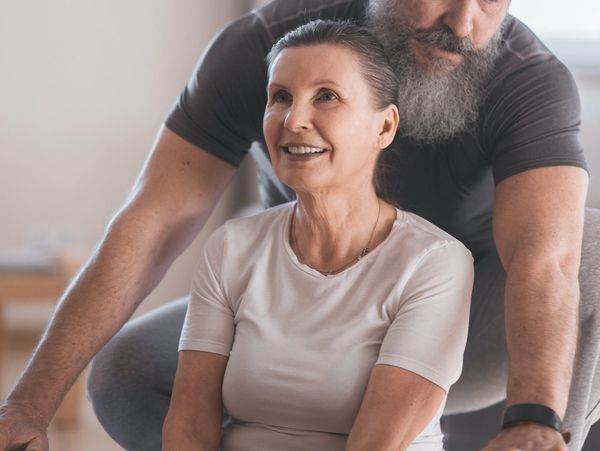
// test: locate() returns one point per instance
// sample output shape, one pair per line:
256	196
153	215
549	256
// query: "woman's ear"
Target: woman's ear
387	132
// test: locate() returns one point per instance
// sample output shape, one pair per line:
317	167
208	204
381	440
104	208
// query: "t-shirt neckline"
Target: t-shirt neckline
313	272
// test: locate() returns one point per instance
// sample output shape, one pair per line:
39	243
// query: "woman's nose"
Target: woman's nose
460	16
298	117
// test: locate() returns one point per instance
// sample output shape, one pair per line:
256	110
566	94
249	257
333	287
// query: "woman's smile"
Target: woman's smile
303	156
302	152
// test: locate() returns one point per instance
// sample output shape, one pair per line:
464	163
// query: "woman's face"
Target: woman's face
320	124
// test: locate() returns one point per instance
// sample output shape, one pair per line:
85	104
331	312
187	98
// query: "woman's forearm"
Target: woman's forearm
396	407
176	439
195	413
182	434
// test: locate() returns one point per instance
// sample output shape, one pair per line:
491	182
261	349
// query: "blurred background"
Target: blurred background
84	87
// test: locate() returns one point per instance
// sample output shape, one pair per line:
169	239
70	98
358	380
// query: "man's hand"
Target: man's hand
21	429
527	437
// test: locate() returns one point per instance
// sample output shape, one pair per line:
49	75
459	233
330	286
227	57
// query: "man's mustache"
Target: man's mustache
445	40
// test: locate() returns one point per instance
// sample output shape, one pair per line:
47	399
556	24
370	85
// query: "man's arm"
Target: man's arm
193	421
397	406
170	202
538	227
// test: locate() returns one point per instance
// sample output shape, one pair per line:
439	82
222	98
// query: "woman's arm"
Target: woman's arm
397	406
421	354
193	421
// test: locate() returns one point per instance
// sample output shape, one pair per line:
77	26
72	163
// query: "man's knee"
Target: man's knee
112	366
139	360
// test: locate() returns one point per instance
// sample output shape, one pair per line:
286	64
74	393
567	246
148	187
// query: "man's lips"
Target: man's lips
429	50
454	57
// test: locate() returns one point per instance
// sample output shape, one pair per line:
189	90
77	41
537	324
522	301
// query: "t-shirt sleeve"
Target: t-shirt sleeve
534	119
429	332
220	110
208	324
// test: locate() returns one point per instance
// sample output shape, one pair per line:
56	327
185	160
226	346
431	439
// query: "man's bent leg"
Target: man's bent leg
131	378
584	398
485	368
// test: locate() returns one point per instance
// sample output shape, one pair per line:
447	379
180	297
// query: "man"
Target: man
487	150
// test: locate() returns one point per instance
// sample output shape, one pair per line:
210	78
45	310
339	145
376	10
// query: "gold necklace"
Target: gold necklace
365	250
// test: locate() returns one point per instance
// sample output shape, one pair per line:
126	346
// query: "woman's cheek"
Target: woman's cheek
270	127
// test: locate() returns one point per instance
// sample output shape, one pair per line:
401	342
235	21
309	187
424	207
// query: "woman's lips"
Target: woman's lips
303	153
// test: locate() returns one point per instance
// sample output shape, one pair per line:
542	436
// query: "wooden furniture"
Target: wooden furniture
46	285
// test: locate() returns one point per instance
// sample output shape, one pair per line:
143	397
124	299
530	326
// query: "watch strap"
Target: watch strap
536	413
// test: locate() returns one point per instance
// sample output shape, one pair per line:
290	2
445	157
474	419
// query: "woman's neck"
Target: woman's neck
330	231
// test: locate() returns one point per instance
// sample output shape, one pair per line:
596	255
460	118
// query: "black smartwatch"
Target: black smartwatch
536	413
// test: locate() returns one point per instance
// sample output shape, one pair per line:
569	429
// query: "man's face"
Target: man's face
472	22
442	52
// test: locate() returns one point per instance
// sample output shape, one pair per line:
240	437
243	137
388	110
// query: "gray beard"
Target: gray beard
437	105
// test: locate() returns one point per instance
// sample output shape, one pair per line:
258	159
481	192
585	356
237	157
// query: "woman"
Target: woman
337	321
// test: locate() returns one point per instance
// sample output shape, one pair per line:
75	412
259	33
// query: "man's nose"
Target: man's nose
459	17
298	117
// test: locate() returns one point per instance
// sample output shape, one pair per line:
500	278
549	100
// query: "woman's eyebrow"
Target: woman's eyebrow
327	82
275	85
316	83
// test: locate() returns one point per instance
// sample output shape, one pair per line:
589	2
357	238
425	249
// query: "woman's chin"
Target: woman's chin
306	185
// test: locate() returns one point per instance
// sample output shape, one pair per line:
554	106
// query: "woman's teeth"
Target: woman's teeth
302	150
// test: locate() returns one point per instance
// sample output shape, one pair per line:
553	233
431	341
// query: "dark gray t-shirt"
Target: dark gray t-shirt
530	118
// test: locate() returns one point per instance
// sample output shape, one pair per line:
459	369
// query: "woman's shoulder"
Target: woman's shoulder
421	236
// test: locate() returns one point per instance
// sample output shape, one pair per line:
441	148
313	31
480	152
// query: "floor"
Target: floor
88	435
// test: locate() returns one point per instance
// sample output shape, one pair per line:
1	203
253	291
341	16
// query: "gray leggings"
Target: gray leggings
131	378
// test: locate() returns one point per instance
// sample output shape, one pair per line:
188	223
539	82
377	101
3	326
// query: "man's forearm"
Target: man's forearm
121	272
541	309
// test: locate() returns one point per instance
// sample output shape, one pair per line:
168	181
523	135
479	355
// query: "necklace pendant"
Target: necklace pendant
364	252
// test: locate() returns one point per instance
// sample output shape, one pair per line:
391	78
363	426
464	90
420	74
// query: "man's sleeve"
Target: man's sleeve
429	333
221	107
534	119
208	324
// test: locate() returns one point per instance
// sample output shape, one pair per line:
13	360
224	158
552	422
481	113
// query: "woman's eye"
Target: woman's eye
281	97
327	96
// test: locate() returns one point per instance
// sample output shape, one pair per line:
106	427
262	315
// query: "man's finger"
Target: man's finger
3	441
38	444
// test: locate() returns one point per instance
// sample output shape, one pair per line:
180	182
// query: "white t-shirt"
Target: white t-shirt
301	344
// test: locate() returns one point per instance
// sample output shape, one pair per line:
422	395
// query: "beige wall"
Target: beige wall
589	91
84	87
